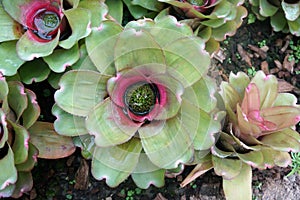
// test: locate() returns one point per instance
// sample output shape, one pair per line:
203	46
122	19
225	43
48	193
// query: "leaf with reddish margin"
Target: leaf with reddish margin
49	143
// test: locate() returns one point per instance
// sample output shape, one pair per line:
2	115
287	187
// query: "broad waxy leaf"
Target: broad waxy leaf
9	173
49	143
98	10
23	184
102	42
109	125
10	61
291	10
171	138
34	71
182	62
29	48
67	124
28	165
131	48
74	84
60	59
116	163
115	9
17	98
20	146
32	112
10	29
146	173
79	20
243	181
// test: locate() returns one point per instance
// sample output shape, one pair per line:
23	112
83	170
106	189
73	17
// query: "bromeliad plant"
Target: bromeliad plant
23	139
45	29
260	133
284	14
212	20
18	111
145	107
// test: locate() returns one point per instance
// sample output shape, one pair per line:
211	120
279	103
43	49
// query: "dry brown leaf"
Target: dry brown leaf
288	65
159	196
244	55
265	67
278	64
82	176
220	55
259	51
284	86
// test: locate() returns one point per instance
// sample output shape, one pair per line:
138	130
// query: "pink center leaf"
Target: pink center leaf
42	19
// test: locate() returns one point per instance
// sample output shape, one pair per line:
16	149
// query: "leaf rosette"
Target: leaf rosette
44	29
260	133
141	103
212	20
19	110
284	14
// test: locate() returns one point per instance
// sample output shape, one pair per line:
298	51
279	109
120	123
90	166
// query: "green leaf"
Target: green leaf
115	9
28	165
110	125
150	5
79	20
137	48
285	99
136	11
81	91
182	62
98	10
23	185
146	173
284	140
67	124
212	46
10	29
267	86
168	30
34	71
17	98
116	163
228	29
32	112
243	181
10	61
226	167
266	8
291	10
202	94
166	144
3	88
294	26
60	59
49	143
7	191
9	173
200	126
29	48
239	82
20	146
102	42
84	62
